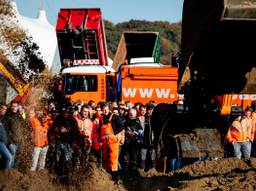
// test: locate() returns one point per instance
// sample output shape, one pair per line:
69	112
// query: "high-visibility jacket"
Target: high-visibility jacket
39	132
240	131
85	127
48	121
110	148
96	133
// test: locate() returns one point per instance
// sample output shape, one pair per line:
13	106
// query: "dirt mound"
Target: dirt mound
91	179
226	174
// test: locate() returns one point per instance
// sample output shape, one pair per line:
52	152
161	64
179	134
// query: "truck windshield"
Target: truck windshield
80	83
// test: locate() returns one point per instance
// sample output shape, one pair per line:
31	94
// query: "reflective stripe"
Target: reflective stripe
107	135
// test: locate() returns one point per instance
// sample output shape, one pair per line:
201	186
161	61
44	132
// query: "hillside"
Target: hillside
170	35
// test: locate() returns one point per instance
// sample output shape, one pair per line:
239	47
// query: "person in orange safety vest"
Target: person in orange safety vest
96	136
40	140
85	126
110	145
240	134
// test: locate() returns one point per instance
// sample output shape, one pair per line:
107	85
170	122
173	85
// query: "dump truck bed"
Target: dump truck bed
137	45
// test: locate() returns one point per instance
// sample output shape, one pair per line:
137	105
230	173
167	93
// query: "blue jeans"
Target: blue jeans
13	149
7	155
242	149
175	163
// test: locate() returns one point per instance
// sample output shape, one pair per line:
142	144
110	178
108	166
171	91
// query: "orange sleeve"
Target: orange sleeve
228	136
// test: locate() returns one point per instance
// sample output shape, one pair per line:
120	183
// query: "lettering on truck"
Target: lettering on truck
147	92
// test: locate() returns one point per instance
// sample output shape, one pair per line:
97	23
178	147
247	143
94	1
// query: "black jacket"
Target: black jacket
116	122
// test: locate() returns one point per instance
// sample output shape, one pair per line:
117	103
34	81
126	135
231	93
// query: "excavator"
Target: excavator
217	72
9	73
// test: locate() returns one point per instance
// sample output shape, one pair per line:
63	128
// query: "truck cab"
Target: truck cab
88	83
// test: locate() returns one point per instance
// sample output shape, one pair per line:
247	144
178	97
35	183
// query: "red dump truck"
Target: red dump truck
86	74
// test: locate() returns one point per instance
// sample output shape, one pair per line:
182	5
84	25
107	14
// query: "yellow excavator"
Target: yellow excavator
14	78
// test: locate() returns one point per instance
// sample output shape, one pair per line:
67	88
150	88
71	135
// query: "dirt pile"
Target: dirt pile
91	179
226	174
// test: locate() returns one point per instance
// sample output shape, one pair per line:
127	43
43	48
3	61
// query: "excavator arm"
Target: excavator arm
14	79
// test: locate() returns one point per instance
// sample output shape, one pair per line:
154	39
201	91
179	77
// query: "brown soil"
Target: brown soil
226	174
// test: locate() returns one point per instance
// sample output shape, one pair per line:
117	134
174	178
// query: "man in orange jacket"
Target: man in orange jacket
85	126
110	144
240	135
40	140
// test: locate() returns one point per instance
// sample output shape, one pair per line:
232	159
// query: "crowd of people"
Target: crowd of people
119	135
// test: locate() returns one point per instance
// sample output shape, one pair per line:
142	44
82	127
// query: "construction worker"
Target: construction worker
85	126
39	137
110	142
96	136
240	135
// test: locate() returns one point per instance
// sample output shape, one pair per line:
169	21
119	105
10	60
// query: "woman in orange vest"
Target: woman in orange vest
240	135
39	136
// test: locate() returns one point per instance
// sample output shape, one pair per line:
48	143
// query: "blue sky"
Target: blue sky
113	10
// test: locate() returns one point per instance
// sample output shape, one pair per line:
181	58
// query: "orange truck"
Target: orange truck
141	77
85	73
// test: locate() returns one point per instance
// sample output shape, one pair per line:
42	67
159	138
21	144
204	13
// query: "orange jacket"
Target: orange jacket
39	132
47	121
107	130
96	133
110	148
85	126
240	131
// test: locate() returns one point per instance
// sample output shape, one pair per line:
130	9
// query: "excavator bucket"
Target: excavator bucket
177	135
200	143
240	9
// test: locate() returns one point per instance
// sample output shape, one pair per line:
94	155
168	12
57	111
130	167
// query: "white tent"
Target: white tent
43	34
